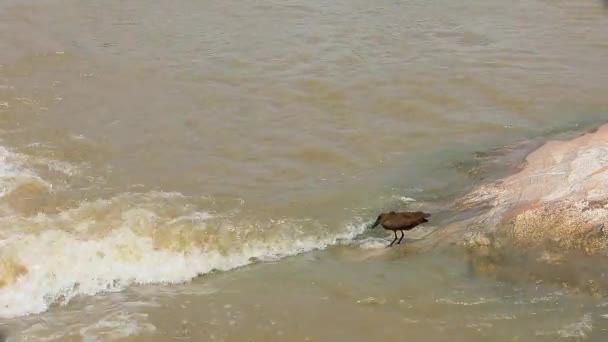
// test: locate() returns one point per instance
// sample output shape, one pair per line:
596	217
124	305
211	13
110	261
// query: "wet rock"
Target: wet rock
545	224
476	239
559	199
500	161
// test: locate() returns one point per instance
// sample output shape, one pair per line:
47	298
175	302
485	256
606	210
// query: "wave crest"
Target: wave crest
156	237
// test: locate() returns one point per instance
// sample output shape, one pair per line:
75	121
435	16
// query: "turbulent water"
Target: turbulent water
146	143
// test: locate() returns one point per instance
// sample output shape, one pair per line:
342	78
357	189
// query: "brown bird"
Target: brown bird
401	221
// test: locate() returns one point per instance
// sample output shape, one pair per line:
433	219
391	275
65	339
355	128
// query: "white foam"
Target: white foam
8	170
197	216
465	303
116	326
61	167
372	243
63	264
579	329
13	172
107	324
405	199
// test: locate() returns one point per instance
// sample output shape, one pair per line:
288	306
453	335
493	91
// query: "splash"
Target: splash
132	239
117	325
155	237
13	174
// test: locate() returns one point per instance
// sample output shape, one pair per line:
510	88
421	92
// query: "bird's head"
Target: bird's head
378	220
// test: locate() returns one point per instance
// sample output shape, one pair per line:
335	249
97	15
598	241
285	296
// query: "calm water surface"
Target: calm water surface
144	143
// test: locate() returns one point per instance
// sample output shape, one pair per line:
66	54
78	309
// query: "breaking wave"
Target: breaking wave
134	238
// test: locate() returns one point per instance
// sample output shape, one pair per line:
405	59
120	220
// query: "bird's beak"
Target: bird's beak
375	223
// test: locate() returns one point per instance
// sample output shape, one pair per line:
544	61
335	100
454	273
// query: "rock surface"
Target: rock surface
559	199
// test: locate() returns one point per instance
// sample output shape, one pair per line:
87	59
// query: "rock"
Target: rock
559	199
476	239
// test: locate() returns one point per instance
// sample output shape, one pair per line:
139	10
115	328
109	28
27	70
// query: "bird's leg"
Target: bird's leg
402	235
394	231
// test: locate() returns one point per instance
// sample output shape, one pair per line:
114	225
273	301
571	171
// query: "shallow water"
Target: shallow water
149	143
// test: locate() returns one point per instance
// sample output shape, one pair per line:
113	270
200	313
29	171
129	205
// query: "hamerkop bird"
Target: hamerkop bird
400	221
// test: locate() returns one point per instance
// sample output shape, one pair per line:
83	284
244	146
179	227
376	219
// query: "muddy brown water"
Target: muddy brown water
145	143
